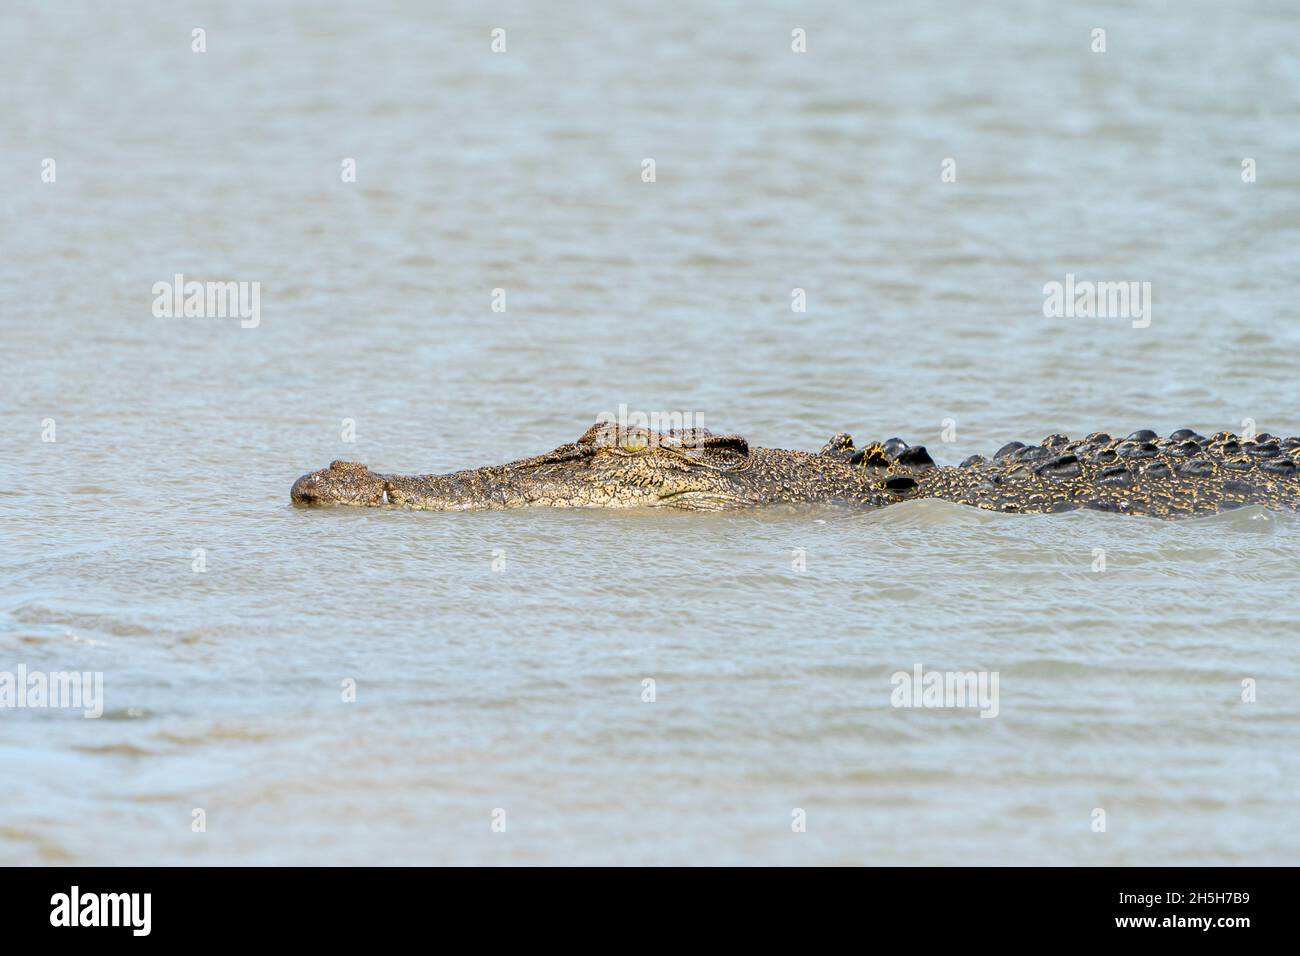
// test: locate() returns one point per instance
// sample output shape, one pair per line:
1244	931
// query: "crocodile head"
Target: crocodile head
609	466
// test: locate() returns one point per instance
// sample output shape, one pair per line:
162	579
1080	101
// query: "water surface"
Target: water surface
499	659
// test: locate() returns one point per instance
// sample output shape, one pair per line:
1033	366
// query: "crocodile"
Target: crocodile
615	466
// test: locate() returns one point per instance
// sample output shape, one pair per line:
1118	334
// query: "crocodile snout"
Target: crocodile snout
305	490
342	483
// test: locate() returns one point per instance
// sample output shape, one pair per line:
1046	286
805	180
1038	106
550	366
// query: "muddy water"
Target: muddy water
499	661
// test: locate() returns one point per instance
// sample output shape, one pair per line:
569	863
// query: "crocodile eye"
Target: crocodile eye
634	443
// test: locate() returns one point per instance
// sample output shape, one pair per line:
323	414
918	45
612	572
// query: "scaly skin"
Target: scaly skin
1179	476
